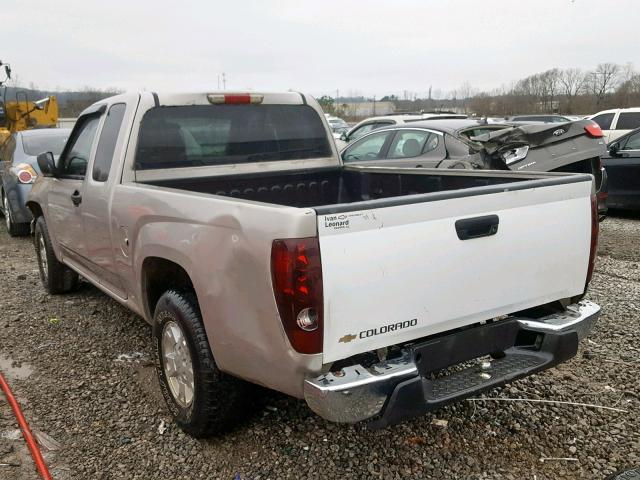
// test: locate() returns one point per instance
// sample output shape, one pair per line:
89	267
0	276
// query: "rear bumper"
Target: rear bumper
17	196
395	390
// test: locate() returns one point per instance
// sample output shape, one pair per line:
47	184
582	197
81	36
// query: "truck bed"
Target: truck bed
379	230
340	186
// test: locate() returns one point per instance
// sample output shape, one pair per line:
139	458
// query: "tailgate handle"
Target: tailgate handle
469	228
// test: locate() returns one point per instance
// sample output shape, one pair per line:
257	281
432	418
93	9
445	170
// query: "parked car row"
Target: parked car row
617	122
472	144
374	123
575	147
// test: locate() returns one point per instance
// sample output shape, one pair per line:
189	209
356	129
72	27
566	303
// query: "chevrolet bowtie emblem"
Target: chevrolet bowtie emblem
347	338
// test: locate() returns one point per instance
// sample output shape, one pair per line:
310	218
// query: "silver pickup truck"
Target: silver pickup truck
229	223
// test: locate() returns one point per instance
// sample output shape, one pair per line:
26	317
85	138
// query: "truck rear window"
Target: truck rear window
196	135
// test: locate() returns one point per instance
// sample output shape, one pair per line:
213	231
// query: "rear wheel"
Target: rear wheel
56	277
203	400
14	229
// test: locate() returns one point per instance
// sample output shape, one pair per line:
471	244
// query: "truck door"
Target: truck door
65	196
96	206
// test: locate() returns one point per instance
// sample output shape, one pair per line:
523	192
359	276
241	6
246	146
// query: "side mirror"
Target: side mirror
613	149
47	164
343	137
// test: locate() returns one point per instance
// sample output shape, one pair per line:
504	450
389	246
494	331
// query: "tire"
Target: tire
217	401
14	229
56	277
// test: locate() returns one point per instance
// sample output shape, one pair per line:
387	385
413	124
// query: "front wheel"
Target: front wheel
56	277
202	399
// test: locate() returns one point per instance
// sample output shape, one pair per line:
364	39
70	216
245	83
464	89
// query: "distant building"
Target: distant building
357	110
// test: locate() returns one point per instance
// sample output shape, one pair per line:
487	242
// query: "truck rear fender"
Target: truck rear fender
159	275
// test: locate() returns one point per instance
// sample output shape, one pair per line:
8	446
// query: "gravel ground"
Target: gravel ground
80	366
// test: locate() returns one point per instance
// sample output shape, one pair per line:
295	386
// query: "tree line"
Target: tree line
558	90
569	91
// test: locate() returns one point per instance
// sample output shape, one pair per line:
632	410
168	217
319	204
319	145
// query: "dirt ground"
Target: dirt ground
81	367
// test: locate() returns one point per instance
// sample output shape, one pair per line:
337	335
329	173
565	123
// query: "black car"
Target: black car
622	163
569	147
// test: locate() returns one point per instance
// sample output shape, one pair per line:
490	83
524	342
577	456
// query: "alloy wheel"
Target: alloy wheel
177	365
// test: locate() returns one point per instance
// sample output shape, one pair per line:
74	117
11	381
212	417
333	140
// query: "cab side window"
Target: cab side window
76	156
107	143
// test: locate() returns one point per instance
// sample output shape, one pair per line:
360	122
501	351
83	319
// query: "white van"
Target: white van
617	121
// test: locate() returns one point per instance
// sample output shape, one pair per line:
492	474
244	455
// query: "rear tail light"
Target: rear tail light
25	173
595	227
234	98
297	285
594	130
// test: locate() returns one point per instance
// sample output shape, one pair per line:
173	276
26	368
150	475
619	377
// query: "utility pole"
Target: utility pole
224	81
374	105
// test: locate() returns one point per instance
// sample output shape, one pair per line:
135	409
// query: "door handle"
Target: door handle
470	228
76	198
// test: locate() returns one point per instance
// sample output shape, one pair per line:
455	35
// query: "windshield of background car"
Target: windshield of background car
368	148
195	135
35	145
360	131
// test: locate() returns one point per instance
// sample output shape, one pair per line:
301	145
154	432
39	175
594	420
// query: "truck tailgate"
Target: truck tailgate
396	273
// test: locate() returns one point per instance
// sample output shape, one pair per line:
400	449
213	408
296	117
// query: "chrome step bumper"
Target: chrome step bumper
398	389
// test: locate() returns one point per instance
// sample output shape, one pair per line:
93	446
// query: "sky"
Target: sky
372	47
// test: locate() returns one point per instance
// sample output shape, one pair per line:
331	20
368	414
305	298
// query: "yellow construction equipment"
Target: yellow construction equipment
23	114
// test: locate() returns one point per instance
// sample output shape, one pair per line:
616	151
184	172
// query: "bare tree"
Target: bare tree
627	72
628	93
572	82
603	80
465	91
549	82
